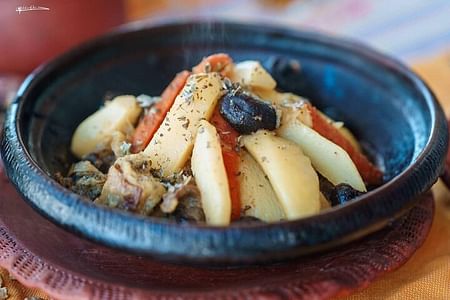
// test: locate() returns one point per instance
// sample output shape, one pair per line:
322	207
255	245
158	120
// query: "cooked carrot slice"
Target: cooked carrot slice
150	123
369	172
219	62
228	140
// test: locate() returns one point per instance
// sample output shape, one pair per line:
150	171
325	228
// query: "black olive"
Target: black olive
247	114
343	193
326	187
283	66
287	73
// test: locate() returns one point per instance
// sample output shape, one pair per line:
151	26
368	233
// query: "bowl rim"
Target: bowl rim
436	142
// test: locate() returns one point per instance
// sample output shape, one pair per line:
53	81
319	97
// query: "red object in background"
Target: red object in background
30	37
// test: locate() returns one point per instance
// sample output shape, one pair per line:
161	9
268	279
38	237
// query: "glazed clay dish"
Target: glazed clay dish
252	145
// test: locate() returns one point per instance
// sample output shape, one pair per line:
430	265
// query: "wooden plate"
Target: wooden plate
40	254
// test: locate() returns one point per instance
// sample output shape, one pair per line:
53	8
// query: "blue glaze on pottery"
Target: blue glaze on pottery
389	108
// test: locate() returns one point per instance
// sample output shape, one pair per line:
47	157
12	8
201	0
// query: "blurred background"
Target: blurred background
32	31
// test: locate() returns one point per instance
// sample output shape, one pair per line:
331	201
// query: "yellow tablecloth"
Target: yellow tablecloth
16	291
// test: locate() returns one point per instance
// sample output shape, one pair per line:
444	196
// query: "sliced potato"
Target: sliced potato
171	146
350	137
279	99
257	196
96	131
328	159
293	179
251	73
290	105
344	131
210	175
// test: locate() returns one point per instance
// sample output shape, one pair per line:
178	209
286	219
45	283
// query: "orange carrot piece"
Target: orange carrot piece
150	123
369	172
219	62
228	140
153	119
231	162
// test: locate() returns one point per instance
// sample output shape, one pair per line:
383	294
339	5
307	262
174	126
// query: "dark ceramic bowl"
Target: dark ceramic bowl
389	108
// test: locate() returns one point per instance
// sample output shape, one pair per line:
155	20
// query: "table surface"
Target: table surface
414	31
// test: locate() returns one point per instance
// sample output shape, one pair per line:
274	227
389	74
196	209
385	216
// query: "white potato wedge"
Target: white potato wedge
291	106
210	175
171	146
251	73
96	131
279	99
293	179
257	196
328	159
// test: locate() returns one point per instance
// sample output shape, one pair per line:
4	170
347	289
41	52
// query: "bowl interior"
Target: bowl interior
378	106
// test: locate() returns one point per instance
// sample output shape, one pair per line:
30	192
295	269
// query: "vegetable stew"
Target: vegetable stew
221	144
